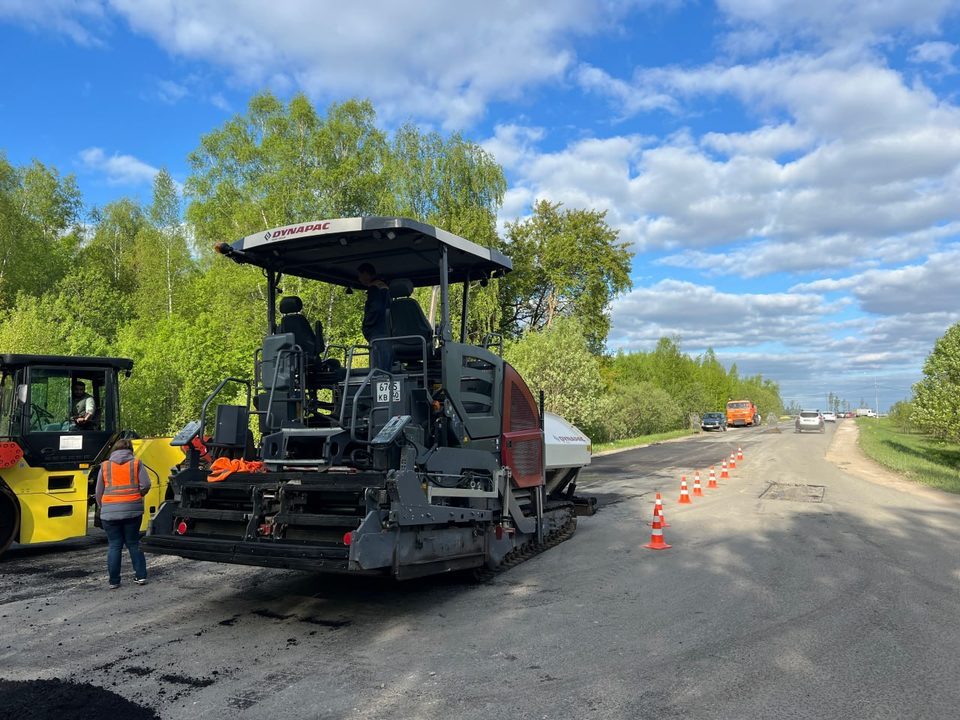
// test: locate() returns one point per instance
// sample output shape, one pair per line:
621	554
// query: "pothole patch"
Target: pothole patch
794	493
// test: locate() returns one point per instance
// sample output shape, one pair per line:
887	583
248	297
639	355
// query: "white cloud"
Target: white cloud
434	59
863	162
220	102
82	21
170	92
511	145
835	95
118	169
930	287
833	22
595	80
792	337
937	53
768	141
704	316
816	254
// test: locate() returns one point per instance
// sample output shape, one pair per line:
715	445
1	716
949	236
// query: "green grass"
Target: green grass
919	457
642	440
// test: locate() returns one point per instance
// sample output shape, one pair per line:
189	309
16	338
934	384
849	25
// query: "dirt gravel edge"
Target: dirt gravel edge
845	452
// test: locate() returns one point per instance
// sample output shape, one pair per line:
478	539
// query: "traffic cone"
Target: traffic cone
697	488
724	475
658	510
684	495
712	483
733	460
739	454
656	534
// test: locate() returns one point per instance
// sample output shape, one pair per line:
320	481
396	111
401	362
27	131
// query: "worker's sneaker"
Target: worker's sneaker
114	586
141	581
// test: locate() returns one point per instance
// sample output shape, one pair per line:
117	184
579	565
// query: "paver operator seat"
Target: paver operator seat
407	318
293	321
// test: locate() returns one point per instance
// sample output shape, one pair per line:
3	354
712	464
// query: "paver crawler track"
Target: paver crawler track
532	548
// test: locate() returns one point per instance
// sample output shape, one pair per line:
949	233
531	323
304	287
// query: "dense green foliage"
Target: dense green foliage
631	394
936	404
567	263
556	360
141	281
659	390
901	415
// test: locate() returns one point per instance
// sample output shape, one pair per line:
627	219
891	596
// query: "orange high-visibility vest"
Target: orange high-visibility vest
121	482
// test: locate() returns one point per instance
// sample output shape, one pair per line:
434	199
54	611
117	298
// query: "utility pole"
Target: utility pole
876	390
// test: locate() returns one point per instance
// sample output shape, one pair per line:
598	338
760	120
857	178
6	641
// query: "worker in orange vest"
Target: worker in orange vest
121	485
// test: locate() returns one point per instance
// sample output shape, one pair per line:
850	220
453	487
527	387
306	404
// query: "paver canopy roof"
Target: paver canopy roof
332	250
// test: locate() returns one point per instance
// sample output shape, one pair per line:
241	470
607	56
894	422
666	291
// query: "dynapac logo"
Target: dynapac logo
287	232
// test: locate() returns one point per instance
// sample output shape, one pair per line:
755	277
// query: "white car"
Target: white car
809	420
830	416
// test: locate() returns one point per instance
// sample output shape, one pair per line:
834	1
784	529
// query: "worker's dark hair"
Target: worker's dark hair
122	444
367	268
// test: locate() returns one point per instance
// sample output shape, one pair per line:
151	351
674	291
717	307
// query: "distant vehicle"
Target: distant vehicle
742	413
714	421
865	412
829	416
809	420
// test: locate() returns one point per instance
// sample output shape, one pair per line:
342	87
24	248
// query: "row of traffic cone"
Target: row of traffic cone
657	541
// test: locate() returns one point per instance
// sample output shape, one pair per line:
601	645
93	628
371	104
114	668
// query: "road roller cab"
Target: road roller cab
58	417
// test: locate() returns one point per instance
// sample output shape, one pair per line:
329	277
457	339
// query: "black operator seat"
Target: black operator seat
293	321
407	318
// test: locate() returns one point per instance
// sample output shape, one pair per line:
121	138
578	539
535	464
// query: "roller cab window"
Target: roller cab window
64	401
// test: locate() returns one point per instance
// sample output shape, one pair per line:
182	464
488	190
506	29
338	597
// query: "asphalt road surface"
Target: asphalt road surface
796	590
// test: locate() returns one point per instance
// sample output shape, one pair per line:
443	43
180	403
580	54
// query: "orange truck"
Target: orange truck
742	413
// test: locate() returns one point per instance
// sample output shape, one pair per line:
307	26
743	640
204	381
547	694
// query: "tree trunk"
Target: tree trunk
169	271
434	295
551	307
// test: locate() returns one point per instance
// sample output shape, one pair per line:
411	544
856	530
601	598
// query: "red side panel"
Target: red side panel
10	454
522	441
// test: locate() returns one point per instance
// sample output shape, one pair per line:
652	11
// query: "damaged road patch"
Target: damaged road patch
794	493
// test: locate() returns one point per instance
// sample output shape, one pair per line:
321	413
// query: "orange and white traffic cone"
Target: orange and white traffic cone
733	460
697	487
724	475
684	494
740	454
712	483
658	510
656	534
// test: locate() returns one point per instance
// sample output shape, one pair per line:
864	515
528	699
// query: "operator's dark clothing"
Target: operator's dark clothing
376	325
375	313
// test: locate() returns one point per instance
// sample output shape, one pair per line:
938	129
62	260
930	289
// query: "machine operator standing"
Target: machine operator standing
376	322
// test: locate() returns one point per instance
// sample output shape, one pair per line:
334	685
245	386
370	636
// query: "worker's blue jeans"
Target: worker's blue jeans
120	533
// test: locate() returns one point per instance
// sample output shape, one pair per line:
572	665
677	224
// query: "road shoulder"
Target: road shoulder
846	454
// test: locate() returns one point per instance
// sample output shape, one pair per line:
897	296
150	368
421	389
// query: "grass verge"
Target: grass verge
919	457
642	440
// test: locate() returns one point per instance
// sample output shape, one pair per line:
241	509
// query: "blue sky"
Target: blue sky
787	171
